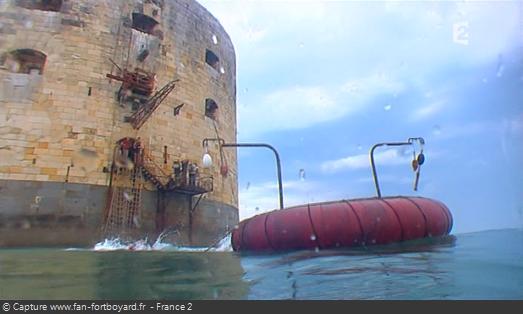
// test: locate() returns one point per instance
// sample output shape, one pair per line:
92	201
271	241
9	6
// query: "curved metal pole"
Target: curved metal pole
278	162
206	141
373	165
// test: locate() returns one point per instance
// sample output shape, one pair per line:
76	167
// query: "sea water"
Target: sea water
482	265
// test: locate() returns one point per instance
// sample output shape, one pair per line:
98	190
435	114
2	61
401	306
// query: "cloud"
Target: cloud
263	197
376	83
237	21
466	130
306	40
428	110
247	25
386	179
361	161
514	126
293	108
301	107
426	29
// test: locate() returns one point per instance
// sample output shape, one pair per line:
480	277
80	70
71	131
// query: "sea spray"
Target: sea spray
114	244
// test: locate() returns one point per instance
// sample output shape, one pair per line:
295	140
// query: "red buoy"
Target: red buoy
344	223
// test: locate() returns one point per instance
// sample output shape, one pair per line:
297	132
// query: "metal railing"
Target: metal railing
276	155
410	141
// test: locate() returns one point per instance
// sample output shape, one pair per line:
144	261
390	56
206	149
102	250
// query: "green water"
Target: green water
483	265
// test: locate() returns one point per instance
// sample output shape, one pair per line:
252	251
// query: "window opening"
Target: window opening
211	108
44	5
145	24
212	59
26	61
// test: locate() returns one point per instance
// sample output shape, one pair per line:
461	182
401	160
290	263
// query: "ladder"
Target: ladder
146	110
125	198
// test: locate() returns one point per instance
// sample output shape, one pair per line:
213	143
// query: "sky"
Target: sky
324	81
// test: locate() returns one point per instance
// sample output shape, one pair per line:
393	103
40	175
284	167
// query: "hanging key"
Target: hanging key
420	160
416	179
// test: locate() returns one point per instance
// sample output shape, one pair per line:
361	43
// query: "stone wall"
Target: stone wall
62	124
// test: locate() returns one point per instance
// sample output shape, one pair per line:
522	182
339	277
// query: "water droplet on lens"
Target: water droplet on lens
373	241
387	107
215	39
313	237
378	219
182	65
436	130
501	68
28	24
484	80
302	174
360	147
248	186
236	227
301	45
222	70
257	209
317	250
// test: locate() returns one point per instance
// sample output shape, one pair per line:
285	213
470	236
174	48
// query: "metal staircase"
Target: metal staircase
124	200
154	173
146	110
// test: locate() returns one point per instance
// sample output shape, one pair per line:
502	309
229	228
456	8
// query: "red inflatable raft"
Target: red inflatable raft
343	224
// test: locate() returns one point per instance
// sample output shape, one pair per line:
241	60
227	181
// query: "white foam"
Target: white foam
224	245
110	245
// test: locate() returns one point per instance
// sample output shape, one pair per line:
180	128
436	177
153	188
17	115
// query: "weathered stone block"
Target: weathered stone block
48	171
71	22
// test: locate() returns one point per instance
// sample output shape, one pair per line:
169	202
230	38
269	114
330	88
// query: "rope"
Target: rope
223	159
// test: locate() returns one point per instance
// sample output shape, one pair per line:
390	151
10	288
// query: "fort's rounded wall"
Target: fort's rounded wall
60	123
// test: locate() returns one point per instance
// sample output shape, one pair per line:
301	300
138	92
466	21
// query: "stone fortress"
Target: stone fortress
103	108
